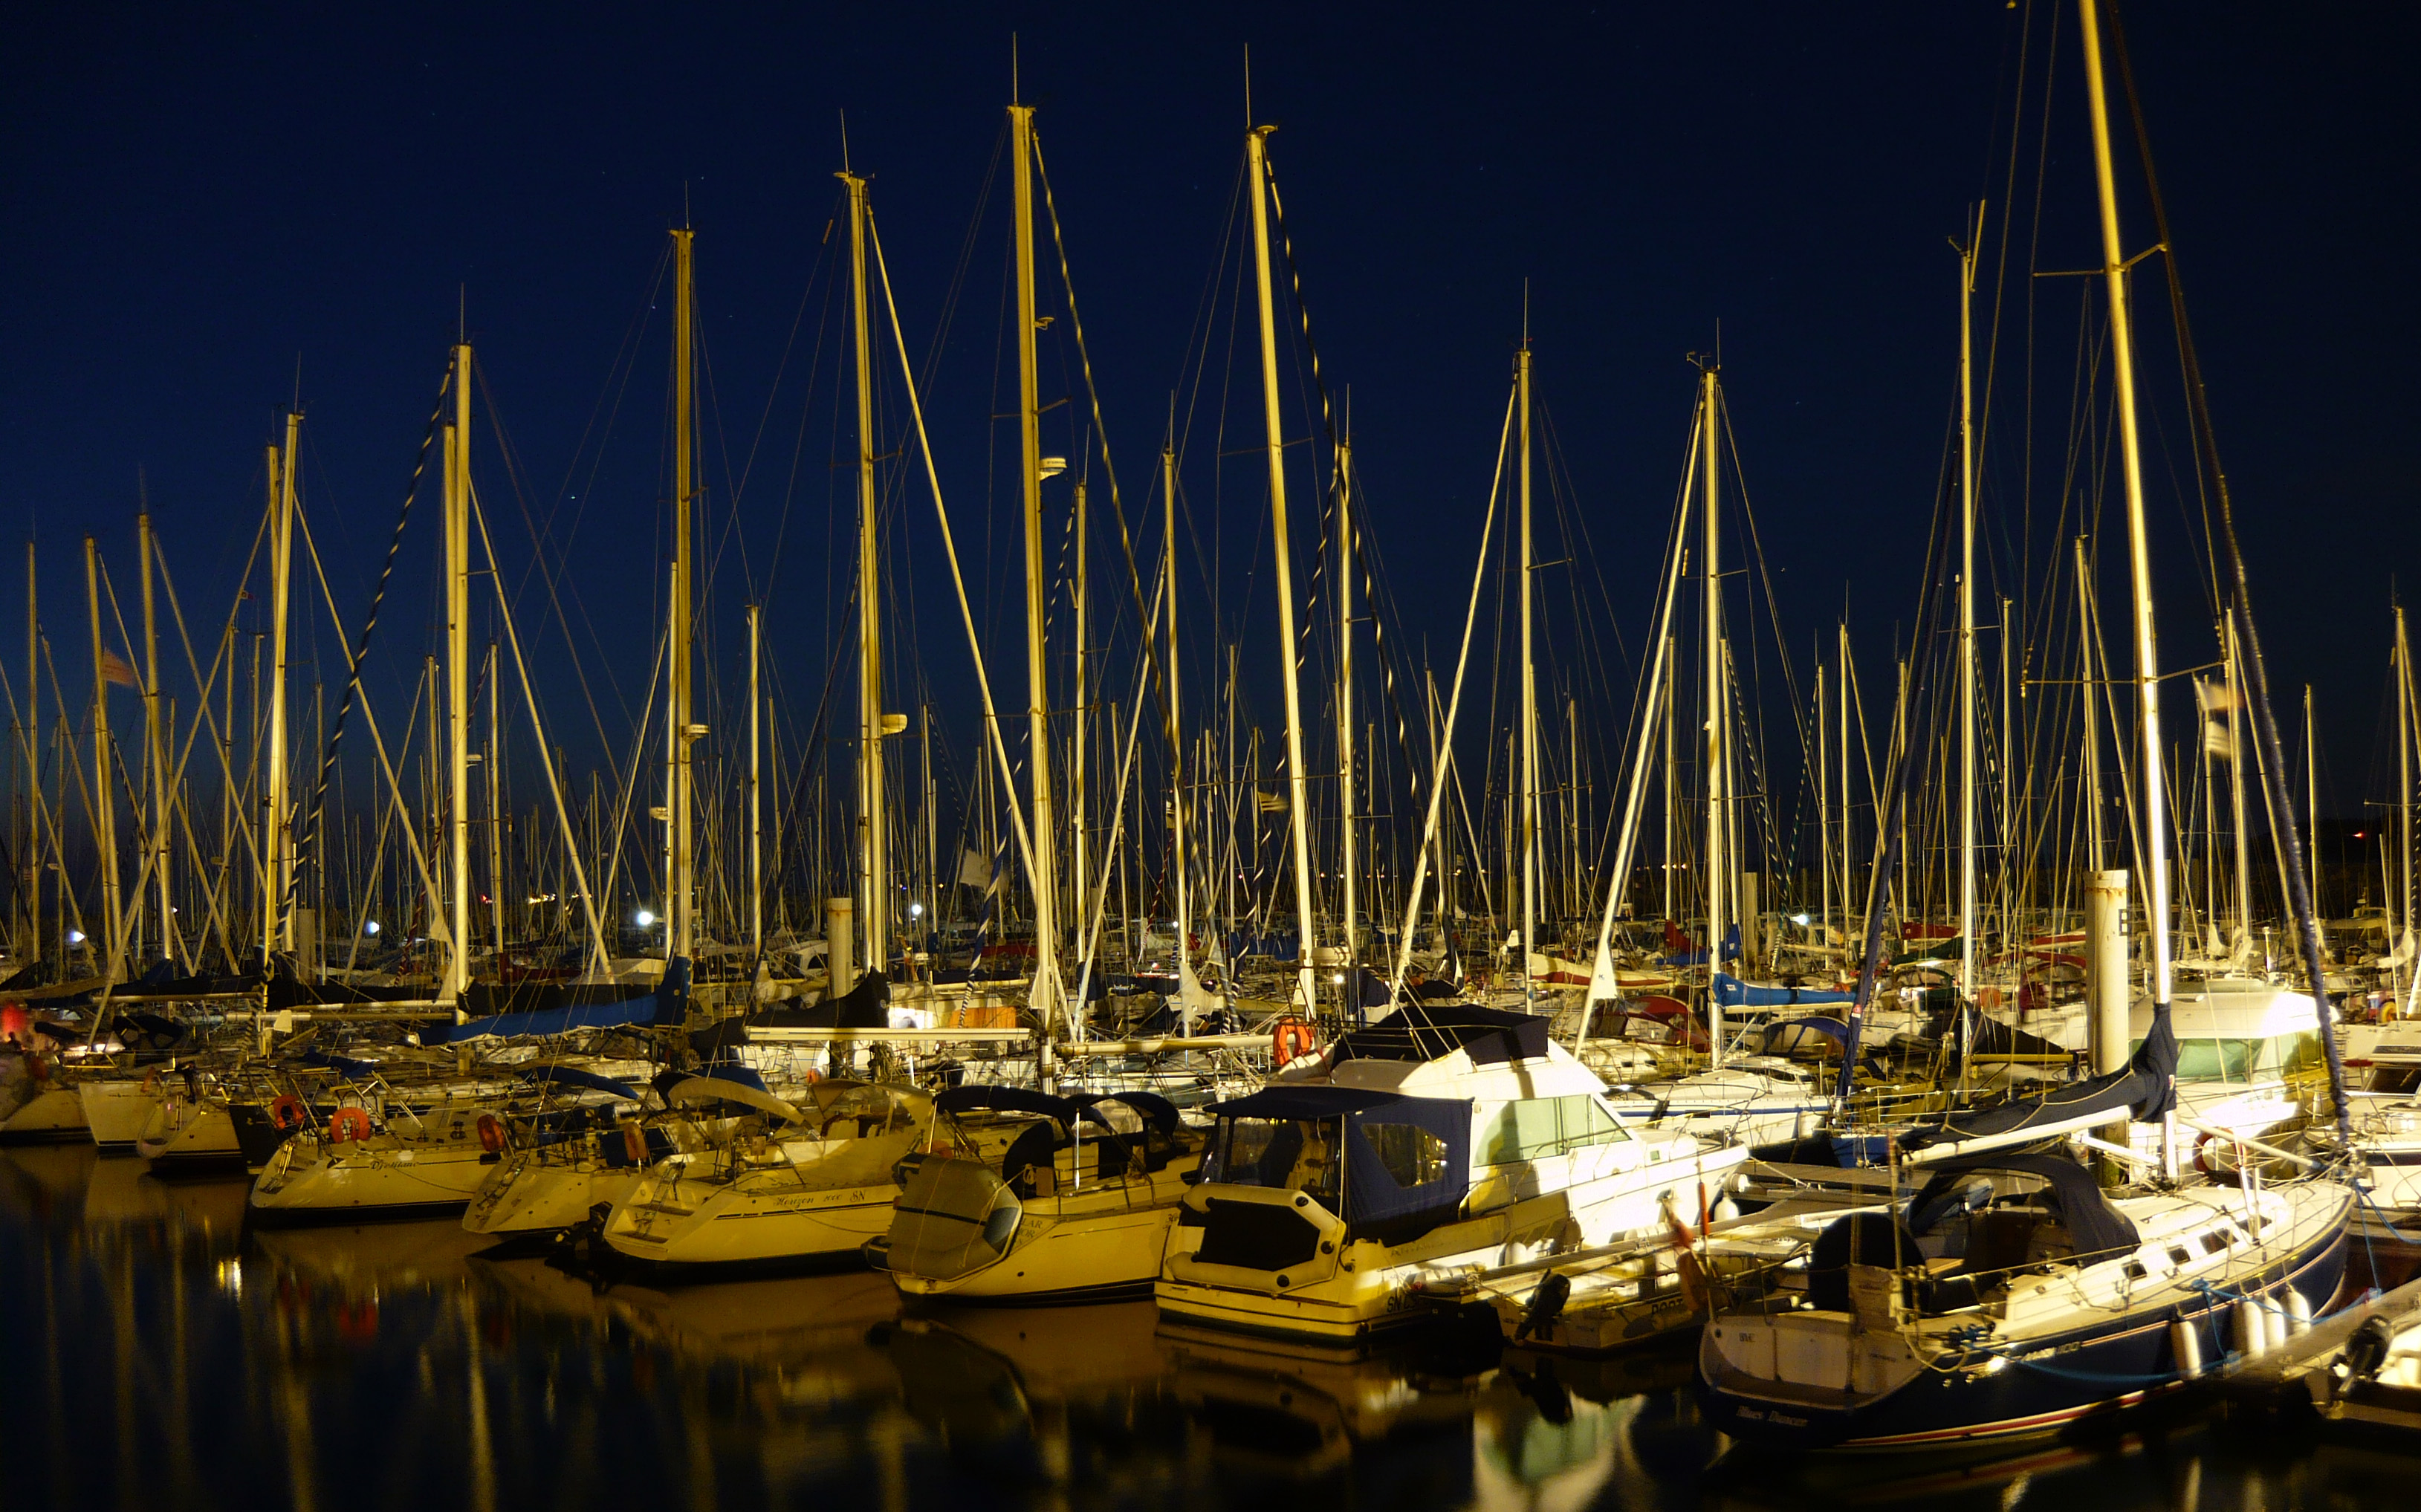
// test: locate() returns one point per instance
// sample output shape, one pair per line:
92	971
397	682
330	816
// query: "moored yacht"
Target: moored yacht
1437	1139
1077	1208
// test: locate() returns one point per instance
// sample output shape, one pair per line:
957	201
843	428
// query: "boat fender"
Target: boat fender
348	1123
492	1134
1289	1037
2185	1346
635	1144
288	1113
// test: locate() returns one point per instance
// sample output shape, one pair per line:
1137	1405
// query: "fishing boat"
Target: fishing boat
1438	1138
1078	1208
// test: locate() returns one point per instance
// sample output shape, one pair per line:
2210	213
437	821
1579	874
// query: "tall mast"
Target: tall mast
2243	853
457	682
2092	687
681	892
1967	804
33	851
755	803
1848	891
1080	882
1529	784
1344	691
2154	798
1712	629
2403	778
1176	862
493	765
1823	814
277	849
105	791
1297	805
156	743
873	854
2312	796
1045	994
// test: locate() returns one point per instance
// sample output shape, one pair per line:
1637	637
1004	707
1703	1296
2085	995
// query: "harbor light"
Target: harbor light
915	911
370	928
75	937
646	918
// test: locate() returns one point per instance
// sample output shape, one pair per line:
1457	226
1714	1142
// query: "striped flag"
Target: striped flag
115	668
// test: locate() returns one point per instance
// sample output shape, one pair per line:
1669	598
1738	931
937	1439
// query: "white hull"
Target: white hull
527	1195
1091	1244
1349	1289
765	1218
56	1113
311	1174
116	1112
183	1133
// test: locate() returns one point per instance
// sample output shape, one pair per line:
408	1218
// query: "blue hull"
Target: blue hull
2063	1378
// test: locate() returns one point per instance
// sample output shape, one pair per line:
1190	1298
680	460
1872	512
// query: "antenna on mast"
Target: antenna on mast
1012	70
1248	87
461	323
844	141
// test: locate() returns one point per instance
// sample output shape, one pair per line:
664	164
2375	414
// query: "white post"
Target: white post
2105	966
840	918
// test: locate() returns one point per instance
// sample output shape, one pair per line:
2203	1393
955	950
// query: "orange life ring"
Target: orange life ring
634	1145
492	1134
1289	1037
288	1113
2201	1162
349	1123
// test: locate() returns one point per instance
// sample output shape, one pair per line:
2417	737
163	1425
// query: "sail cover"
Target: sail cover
2143	1089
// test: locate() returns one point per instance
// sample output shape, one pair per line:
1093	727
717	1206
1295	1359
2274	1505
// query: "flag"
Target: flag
974	868
1270	803
2216	700
115	668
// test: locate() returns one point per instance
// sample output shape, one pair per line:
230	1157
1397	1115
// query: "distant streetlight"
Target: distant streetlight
646	918
371	929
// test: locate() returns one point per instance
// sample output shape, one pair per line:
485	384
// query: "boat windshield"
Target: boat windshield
1304	1154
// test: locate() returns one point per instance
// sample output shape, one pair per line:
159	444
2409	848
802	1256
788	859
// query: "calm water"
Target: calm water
157	1355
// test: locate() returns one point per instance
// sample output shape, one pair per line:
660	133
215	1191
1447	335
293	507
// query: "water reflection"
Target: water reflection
160	1354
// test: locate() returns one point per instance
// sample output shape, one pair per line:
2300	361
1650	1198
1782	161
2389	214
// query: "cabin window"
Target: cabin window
2177	1255
2395	1079
2214	1241
2301	1051
2134	1270
2214	1060
1412	1156
1286	1154
1539	1127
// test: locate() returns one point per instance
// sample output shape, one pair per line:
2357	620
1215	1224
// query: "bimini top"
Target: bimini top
1407	1161
1151	1107
2094	1228
1433	1031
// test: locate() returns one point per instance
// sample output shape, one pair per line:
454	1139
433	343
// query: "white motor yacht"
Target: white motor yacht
1440	1138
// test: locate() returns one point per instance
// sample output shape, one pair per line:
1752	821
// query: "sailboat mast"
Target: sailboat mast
1967	804
2154	798
2243	852
873	855
2403	776
756	802
278	853
1297	804
458	687
33	851
2092	690
1345	694
1045	992
1712	629
1848	891
1529	782
1081	868
105	791
156	740
1184	921
681	892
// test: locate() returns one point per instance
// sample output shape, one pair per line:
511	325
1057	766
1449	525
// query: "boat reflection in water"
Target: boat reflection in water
165	1354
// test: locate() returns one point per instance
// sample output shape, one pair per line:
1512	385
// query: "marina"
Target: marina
903	914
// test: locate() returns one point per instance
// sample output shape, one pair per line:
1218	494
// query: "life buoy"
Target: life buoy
346	1124
492	1134
635	1144
288	1113
1289	1037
